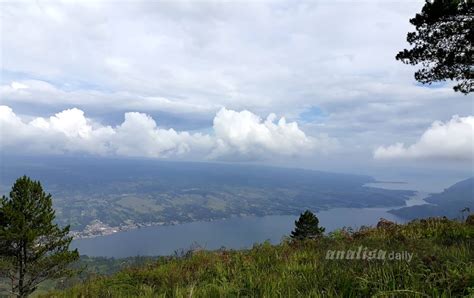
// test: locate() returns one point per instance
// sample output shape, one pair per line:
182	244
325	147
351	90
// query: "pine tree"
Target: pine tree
307	227
32	247
442	43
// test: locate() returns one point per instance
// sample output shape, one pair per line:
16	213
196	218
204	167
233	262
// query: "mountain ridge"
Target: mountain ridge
447	203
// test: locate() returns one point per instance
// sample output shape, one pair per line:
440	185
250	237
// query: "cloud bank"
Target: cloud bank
327	65
236	135
453	140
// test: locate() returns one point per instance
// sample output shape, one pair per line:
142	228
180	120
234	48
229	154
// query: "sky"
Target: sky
311	84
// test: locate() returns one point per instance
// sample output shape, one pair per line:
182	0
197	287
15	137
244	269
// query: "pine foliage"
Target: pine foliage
32	247
307	227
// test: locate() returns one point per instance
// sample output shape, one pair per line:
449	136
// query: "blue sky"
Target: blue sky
309	84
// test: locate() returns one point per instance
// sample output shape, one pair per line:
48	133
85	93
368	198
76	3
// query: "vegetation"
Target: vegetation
133	193
442	43
441	265
470	220
32	248
455	201
307	227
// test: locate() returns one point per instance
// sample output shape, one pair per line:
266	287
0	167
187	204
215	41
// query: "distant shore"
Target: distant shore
390	182
98	229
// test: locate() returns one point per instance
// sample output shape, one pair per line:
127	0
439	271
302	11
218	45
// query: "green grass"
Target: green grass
141	205
442	265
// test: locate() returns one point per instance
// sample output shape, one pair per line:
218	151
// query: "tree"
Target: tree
32	247
307	226
442	43
470	220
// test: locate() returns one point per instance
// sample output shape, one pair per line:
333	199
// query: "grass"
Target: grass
442	265
141	205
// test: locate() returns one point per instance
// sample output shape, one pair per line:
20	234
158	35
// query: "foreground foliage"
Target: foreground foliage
33	248
442	43
442	265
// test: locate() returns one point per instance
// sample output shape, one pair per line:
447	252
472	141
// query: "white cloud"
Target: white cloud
244	133
264	56
183	61
453	140
236	135
67	131
71	123
139	135
44	93
17	86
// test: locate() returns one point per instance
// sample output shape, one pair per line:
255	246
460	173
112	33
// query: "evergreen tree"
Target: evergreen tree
32	247
442	43
307	226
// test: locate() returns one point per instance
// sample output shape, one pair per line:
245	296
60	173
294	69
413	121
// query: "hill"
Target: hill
99	194
431	258
448	203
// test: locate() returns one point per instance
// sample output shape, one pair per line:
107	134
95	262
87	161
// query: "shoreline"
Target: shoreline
99	229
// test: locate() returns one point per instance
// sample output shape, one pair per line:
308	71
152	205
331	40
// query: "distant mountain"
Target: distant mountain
448	203
99	194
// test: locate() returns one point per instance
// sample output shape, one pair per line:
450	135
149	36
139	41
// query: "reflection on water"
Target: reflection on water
417	199
390	185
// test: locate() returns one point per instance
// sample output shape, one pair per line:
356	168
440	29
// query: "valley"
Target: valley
101	197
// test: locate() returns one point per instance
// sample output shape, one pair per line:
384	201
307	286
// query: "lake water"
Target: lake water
238	232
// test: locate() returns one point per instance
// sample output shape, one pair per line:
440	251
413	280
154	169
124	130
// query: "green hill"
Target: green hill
448	203
379	264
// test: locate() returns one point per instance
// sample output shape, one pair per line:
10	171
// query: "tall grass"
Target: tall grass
442	265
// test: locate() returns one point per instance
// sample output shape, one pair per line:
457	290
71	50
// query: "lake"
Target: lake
237	232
